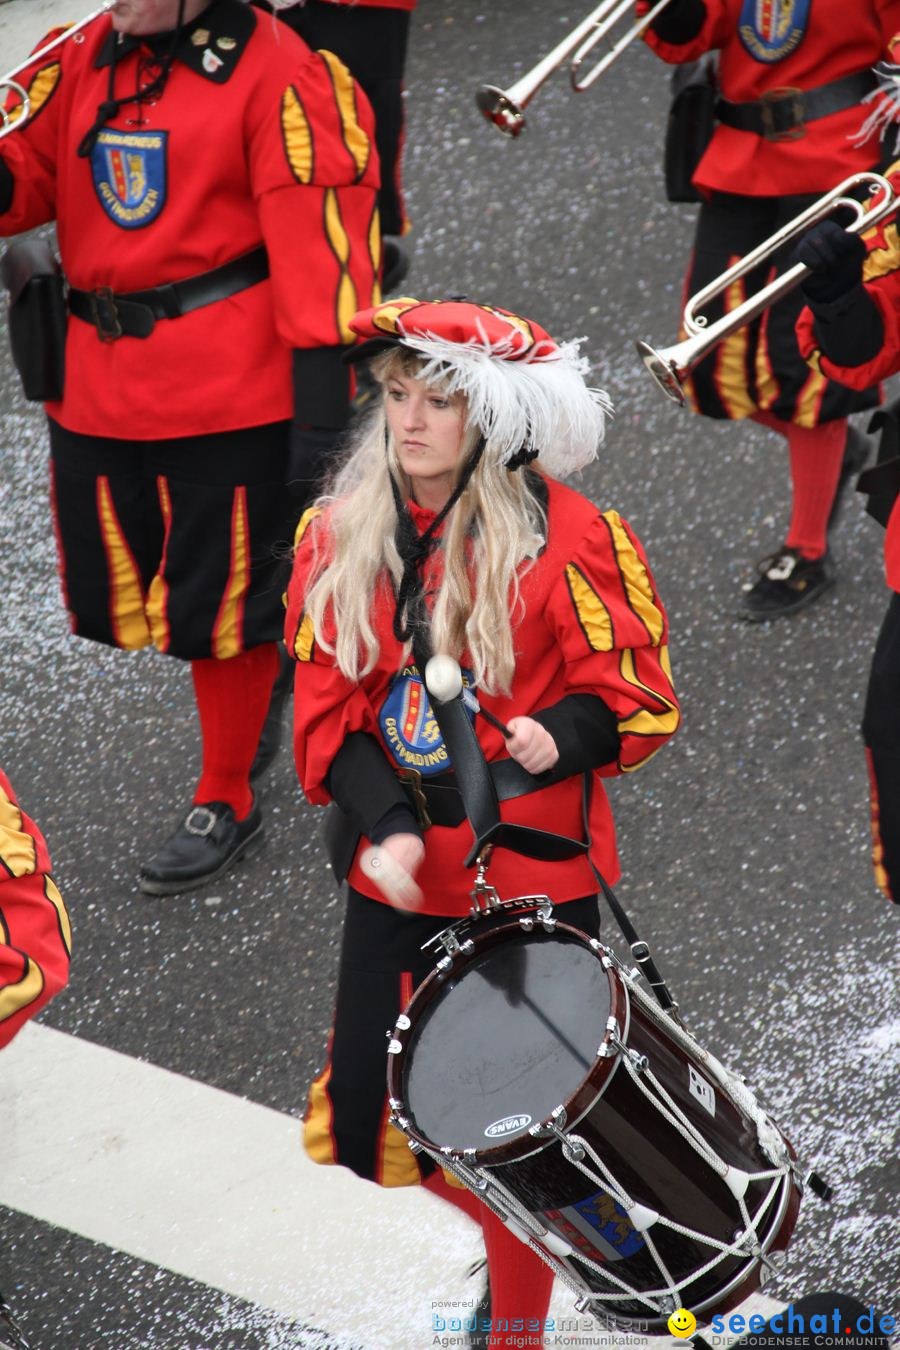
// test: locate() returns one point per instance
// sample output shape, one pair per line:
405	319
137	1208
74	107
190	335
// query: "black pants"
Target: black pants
758	368
182	543
381	965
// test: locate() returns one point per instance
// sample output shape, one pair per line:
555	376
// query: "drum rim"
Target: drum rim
592	1086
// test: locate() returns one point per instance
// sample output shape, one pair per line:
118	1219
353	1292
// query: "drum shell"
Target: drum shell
653	1162
648	1156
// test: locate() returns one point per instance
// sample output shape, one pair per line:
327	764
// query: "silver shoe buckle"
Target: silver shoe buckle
200	821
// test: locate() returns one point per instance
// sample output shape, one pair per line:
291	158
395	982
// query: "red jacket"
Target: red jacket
821	41
592	623
35	936
254	139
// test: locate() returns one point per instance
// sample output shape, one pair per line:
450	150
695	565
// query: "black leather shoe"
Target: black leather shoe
788	583
207	842
273	728
856	456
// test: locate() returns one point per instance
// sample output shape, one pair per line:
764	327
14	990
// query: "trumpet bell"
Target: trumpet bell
664	371
499	109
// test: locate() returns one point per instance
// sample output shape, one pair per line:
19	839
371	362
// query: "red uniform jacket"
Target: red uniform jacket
882	277
254	139
592	623
35	937
794	43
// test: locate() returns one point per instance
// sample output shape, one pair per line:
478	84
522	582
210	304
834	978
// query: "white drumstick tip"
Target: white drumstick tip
443	677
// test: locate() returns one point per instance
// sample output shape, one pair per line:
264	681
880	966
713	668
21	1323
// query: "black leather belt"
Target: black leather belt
437	800
135	314
781	114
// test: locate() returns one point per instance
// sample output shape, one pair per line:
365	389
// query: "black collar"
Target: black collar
211	45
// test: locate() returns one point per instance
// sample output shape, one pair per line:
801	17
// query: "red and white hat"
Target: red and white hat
526	392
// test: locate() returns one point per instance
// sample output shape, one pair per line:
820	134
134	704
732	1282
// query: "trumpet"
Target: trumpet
505	108
671	366
13	118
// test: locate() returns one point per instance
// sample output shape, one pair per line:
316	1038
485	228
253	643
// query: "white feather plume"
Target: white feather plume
539	401
886	112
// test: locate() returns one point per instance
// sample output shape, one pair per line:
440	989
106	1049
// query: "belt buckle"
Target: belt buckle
103	307
412	779
773	99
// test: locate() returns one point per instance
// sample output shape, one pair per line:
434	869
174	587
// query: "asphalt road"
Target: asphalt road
744	843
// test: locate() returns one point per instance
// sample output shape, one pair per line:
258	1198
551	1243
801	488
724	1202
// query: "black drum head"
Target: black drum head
506	1040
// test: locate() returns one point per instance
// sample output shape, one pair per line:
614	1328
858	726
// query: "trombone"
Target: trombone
671	366
17	116
505	108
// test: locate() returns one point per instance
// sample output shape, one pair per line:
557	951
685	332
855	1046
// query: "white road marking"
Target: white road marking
218	1189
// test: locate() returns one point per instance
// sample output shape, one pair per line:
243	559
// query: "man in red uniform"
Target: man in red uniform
35	935
792	76
851	331
370	37
213	183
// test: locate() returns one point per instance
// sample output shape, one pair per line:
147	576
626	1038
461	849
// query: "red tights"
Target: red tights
521	1283
232	700
816	454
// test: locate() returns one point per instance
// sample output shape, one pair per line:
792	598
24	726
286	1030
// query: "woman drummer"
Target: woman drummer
449	518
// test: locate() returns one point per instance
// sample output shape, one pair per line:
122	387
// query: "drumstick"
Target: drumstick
443	680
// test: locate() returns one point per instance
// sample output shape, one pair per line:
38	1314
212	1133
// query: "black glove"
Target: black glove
680	21
6	187
312	455
835	259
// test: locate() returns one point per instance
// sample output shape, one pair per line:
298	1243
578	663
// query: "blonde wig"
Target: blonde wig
496	526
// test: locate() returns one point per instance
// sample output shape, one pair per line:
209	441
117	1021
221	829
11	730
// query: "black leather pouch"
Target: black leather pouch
37	317
690	125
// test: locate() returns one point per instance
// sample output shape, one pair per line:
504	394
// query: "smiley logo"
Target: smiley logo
682	1323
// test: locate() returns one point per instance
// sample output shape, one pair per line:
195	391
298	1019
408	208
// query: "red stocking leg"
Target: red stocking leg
232	700
816	455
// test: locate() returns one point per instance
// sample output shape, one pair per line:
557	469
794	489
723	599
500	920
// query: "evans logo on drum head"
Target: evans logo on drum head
508	1125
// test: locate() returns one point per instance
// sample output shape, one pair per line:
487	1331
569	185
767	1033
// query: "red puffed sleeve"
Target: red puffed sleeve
30	152
314	174
612	630
718	27
327	706
35	936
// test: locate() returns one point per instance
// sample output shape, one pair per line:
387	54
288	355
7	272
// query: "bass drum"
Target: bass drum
533	1066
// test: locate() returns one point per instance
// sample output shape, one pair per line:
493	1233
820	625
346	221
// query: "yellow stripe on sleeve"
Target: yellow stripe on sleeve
40	88
647	721
18	851
51	891
346	300
297	135
356	140
637	583
593	615
15	997
304	523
